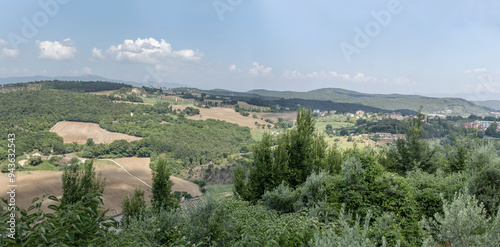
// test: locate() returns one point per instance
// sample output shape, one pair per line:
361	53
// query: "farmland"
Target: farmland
79	132
33	184
224	114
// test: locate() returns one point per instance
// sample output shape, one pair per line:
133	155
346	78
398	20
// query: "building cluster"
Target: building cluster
479	125
388	136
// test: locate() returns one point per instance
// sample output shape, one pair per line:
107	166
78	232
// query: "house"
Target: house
360	113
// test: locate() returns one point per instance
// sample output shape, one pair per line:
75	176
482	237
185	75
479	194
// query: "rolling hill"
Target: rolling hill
385	101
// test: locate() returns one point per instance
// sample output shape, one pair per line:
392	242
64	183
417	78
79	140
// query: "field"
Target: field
79	132
220	189
118	182
224	114
344	144
292	116
108	92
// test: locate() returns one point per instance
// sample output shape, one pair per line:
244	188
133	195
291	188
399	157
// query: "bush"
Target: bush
281	199
464	223
346	235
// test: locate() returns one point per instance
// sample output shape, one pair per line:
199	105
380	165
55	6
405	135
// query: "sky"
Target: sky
446	47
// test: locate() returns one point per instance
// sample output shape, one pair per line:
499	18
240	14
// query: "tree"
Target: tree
133	205
413	151
297	153
162	197
90	142
329	129
491	130
82	185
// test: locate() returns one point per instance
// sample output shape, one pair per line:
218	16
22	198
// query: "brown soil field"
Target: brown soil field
79	132
118	182
292	116
102	92
224	114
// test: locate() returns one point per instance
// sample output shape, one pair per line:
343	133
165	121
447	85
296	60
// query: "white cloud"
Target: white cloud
291	74
57	50
150	51
96	53
362	77
84	71
260	70
7	52
329	75
12	53
234	68
477	70
87	70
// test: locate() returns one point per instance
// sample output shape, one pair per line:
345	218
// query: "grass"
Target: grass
220	189
335	125
151	100
45	166
257	134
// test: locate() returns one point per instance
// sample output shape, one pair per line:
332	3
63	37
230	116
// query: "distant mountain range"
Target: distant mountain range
384	101
87	77
389	102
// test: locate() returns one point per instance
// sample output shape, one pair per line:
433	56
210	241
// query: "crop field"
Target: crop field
31	184
79	132
292	116
108	92
224	114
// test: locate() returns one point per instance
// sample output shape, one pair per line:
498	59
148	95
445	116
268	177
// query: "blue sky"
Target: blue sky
374	46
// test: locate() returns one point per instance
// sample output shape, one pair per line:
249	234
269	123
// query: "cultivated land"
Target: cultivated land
224	114
108	92
79	132
31	184
292	116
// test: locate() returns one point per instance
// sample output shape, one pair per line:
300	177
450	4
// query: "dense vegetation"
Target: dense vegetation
302	193
296	191
30	114
76	86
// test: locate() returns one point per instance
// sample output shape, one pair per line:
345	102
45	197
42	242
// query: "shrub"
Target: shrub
464	222
281	199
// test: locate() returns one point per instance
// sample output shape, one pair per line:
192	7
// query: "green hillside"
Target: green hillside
493	104
385	101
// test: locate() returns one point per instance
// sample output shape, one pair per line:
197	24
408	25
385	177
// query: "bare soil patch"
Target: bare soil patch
79	132
224	114
118	183
292	116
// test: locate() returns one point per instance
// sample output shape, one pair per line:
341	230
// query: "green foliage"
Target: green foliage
281	199
153	227
162	196
297	153
35	161
346	235
80	182
491	130
464	222
133	205
412	152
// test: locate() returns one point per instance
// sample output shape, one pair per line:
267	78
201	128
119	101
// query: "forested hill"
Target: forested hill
384	101
76	86
293	103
